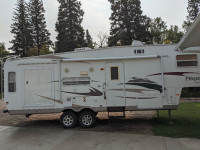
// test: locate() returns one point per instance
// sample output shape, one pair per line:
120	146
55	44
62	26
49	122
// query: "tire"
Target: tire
68	119
87	119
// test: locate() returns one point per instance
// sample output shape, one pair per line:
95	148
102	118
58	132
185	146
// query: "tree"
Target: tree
193	11
88	40
173	35
158	29
70	32
44	50
3	51
186	25
128	23
40	34
102	40
21	29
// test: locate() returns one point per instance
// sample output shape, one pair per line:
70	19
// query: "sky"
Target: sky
96	17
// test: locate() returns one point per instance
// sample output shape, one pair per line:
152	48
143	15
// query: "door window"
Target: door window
114	73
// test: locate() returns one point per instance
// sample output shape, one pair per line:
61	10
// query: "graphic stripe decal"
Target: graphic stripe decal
132	90
58	101
148	85
139	97
93	92
173	73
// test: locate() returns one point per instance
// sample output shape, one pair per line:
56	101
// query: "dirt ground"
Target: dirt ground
138	122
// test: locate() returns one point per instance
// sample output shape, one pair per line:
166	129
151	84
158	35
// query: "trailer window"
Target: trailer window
76	81
114	71
11	82
139	51
187	60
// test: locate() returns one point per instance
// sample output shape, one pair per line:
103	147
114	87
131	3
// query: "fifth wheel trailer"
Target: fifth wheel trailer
82	83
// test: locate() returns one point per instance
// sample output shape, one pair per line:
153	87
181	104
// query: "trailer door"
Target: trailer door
38	86
115	80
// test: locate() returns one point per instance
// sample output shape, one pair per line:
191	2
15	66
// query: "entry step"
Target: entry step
116	112
116	109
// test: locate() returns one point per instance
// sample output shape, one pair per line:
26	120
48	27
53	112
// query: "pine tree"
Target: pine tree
88	40
70	32
40	34
193	9
21	29
128	23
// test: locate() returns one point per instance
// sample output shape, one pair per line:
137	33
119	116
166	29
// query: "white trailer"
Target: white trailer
82	83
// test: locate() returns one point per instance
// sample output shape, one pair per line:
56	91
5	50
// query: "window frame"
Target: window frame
117	72
189	60
76	81
10	82
136	51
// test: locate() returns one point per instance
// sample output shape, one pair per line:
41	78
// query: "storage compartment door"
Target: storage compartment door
38	87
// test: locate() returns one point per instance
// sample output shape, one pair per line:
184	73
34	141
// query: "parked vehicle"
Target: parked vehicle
84	82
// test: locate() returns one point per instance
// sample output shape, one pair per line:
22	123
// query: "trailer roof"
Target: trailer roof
192	36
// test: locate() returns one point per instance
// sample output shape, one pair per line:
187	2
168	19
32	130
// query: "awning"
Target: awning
192	36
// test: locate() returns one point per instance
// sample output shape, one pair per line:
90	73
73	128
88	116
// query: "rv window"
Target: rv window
11	82
187	60
114	73
139	51
76	81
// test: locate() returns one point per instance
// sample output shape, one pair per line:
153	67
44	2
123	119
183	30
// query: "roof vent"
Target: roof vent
137	43
82	49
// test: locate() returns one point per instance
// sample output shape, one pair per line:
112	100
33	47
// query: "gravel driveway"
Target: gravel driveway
135	122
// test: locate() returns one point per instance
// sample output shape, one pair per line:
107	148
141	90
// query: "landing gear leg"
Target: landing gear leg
158	115
170	117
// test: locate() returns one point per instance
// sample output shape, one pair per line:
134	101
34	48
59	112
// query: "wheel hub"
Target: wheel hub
87	119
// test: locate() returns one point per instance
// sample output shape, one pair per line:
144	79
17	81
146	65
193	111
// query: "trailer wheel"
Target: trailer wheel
68	119
87	119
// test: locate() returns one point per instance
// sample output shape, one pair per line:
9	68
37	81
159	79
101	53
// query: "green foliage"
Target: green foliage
44	50
40	34
128	23
186	25
3	52
158	30
186	122
193	9
21	29
173	35
88	40
70	32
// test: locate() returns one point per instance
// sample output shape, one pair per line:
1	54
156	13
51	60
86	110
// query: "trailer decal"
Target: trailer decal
141	91
174	73
145	83
93	92
58	101
139	97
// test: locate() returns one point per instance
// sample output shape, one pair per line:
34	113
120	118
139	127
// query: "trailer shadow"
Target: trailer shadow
134	123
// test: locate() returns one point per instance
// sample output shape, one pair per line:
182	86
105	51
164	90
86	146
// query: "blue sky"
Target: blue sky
97	13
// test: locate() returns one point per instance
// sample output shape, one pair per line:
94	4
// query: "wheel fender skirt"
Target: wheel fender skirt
5	111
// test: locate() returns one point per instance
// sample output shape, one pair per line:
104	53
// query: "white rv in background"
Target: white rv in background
82	83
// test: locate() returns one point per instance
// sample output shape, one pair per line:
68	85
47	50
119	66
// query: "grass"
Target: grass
186	122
